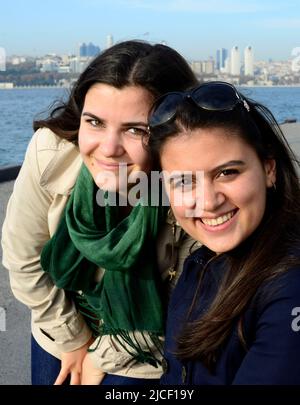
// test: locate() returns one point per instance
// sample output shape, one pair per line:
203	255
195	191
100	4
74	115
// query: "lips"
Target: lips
220	223
106	165
219	220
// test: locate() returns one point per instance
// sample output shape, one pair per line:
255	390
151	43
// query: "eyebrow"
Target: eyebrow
134	124
230	163
91	115
221	167
126	124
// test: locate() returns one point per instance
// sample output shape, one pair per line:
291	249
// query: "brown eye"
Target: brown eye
138	132
228	172
93	122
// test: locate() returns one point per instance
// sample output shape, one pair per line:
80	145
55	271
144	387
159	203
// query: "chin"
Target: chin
221	247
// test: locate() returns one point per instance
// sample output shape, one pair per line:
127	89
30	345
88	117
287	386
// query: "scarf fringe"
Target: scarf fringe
123	337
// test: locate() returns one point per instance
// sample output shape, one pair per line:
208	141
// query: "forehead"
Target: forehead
130	98
204	149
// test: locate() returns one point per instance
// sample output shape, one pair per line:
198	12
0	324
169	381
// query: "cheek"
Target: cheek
81	140
178	208
253	202
85	142
140	157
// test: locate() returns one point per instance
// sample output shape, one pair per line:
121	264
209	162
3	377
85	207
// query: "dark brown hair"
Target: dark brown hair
157	68
269	251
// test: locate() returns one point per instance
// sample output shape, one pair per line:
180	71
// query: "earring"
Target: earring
274	187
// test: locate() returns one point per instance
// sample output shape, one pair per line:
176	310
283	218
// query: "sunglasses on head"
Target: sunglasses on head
211	96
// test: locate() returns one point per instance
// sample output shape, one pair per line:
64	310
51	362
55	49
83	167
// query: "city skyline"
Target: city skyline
195	28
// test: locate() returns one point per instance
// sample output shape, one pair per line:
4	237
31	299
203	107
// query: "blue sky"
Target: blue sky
196	28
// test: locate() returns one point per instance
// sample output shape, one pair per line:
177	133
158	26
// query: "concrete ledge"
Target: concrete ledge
8	173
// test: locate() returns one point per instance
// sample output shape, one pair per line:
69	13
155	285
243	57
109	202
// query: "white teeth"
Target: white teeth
219	220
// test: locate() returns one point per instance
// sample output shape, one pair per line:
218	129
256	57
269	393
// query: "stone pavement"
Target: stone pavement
15	340
14	321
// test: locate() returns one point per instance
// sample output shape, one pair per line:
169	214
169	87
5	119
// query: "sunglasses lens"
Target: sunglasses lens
165	109
215	97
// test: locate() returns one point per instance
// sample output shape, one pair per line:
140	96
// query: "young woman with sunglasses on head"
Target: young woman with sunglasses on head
82	267
234	314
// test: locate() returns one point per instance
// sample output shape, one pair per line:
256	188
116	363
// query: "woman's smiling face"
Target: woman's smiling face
112	125
232	190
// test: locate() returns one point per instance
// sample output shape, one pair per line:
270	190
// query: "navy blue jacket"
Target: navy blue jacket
271	326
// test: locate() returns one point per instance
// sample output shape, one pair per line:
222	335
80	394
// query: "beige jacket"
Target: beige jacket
46	179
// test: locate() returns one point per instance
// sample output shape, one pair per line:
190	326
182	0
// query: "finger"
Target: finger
75	378
61	377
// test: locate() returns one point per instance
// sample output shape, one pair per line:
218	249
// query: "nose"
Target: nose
212	197
111	144
204	198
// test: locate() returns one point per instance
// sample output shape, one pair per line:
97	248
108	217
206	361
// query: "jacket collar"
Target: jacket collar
61	173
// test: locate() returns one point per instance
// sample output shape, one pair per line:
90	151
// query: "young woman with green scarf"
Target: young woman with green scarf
90	273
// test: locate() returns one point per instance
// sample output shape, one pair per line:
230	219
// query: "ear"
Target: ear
270	170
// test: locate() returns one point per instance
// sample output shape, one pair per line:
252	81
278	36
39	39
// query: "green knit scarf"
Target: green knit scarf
89	236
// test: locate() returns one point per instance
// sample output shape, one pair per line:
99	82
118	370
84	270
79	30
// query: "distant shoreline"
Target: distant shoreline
34	87
67	87
268	85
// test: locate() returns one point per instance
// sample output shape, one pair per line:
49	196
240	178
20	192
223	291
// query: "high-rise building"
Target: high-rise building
109	41
82	50
235	61
92	50
249	61
221	56
227	67
218	59
88	50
